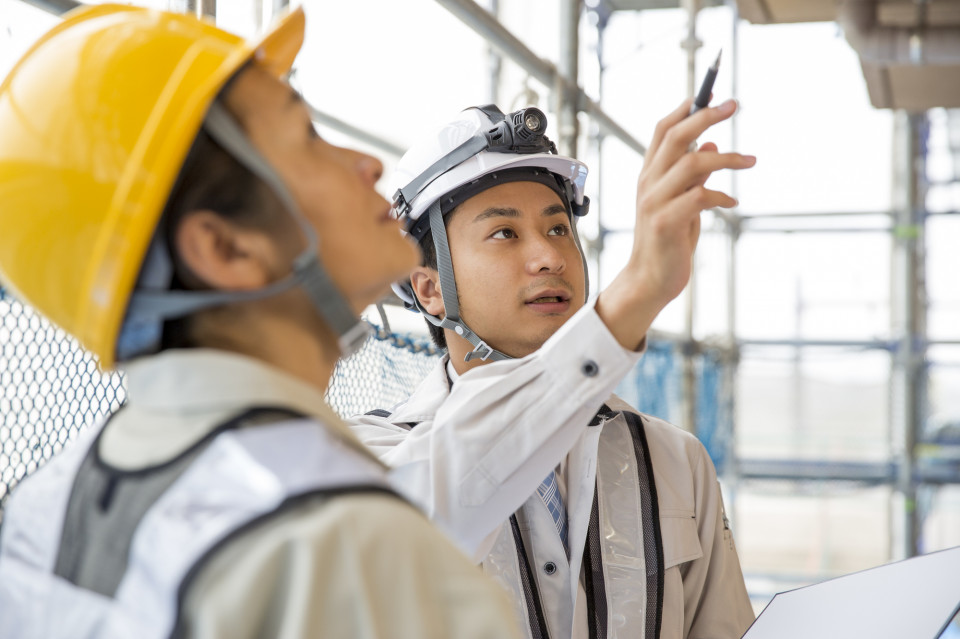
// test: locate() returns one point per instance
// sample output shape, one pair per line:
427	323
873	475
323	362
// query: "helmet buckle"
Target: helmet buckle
481	351
400	203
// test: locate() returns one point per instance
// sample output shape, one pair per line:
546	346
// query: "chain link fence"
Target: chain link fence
50	388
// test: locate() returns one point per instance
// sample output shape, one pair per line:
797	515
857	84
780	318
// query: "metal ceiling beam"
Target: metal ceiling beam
56	7
355	132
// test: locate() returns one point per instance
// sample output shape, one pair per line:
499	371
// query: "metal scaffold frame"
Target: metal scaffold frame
909	343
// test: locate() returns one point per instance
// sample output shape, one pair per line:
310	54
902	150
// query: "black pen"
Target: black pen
703	96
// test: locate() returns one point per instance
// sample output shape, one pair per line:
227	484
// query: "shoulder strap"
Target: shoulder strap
538	623
107	504
650	516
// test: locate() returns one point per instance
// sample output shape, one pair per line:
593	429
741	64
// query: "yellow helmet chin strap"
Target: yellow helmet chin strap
150	307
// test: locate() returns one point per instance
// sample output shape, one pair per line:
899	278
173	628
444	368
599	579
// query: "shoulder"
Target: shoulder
661	435
343	564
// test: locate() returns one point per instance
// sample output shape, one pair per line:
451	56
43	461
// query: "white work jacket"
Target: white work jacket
173	521
660	555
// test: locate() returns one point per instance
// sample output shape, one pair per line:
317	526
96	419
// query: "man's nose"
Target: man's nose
369	168
544	255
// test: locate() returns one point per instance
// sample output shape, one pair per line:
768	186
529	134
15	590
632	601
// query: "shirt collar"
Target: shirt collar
195	383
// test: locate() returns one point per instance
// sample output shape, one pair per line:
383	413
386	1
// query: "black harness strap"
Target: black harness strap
594	583
593	574
538	623
652	539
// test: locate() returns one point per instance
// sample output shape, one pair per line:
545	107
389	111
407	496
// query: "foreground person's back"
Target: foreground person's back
167	203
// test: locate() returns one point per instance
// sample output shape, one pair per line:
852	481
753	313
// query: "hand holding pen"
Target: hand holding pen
671	193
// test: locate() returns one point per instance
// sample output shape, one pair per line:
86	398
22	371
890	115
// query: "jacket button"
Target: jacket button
549	567
590	368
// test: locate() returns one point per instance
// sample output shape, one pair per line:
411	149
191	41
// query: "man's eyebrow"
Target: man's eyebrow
554	209
497	211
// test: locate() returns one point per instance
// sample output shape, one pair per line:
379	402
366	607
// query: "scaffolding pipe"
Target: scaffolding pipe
568	76
908	320
885	345
494	61
356	133
202	8
480	20
56	7
688	400
746	217
596	247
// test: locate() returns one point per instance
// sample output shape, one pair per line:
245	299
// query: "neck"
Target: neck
306	350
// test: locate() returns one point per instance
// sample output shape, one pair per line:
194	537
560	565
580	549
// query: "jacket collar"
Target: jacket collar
178	396
423	404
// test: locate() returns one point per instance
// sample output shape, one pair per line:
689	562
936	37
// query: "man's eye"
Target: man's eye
560	229
504	234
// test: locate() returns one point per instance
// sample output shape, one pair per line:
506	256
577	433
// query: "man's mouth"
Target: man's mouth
550	300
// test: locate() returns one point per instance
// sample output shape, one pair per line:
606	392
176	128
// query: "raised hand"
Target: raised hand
670	196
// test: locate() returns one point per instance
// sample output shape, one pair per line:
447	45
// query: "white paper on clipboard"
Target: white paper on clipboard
911	599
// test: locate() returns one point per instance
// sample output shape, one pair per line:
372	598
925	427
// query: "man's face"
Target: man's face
518	270
360	243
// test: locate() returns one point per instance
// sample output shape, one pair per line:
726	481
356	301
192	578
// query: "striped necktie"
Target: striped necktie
549	492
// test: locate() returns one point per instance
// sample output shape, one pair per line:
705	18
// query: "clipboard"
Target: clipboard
916	598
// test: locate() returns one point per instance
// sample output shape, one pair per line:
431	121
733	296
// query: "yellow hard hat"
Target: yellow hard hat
96	121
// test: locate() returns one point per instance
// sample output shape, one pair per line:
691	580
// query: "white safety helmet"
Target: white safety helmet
481	149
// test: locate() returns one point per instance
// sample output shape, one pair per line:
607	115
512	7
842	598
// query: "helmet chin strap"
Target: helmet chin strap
448	290
148	306
448	284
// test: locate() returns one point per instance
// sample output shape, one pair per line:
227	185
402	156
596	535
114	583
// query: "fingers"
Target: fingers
692	171
680	134
664	125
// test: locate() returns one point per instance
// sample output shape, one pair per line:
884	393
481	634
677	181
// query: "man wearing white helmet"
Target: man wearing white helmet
599	521
168	203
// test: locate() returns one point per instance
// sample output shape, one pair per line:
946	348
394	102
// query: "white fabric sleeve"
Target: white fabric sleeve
502	428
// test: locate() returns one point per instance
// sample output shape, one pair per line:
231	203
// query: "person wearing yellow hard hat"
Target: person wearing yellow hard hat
167	202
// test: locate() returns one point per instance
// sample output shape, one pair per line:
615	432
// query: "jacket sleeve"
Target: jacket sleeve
502	428
355	567
716	604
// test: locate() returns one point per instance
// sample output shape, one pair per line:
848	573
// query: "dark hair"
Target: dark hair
211	179
429	258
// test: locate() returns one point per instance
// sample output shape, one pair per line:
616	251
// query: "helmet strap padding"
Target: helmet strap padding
448	291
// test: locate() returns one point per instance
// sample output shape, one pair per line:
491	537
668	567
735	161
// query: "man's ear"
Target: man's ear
224	255
426	286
